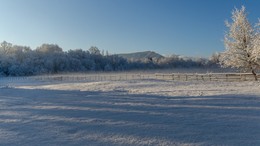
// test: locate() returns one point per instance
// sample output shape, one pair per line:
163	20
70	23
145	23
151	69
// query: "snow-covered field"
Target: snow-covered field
134	112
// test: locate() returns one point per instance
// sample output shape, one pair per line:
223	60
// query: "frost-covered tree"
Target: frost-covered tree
5	47
239	44
94	50
214	58
49	48
256	45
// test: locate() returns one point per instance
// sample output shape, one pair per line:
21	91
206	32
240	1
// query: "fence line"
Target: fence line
175	76
208	77
122	77
97	77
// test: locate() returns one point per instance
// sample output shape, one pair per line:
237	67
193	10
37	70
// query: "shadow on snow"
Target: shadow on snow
50	117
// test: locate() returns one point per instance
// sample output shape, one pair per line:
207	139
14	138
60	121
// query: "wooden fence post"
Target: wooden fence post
226	77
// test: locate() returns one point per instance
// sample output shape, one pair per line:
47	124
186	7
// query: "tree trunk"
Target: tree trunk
253	72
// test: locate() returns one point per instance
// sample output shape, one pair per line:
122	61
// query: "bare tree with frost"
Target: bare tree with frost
256	45
239	43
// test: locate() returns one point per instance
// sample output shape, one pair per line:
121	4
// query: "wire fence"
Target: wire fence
226	77
95	77
229	77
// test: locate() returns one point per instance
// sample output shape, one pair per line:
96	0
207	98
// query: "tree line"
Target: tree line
16	60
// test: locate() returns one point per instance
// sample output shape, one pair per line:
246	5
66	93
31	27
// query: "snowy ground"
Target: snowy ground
138	112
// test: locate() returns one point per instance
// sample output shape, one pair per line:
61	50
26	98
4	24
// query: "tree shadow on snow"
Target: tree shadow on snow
52	117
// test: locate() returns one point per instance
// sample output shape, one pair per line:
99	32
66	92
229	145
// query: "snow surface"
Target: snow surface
137	112
154	87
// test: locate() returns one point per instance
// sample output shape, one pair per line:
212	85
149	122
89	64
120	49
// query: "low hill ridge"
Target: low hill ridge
140	55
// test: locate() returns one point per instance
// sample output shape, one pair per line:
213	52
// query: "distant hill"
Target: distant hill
140	55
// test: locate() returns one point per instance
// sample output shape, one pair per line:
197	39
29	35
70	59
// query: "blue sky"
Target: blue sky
184	27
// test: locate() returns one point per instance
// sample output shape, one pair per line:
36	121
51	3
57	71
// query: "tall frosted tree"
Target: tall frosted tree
256	45
239	42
